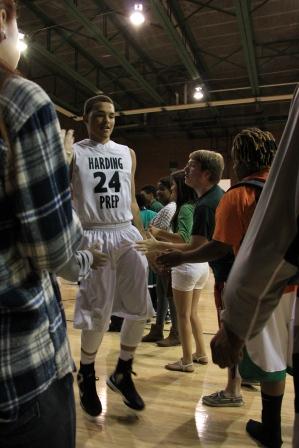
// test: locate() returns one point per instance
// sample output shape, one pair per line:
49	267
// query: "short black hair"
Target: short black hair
88	105
140	200
149	189
165	181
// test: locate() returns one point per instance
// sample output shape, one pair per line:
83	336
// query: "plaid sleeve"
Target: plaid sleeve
78	267
39	189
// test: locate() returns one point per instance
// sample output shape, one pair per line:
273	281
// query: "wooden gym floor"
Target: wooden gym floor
174	415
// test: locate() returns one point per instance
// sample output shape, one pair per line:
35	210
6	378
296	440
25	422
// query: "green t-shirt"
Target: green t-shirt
147	216
184	222
156	206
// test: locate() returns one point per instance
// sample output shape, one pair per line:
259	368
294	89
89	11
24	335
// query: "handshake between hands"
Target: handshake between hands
99	257
226	347
160	257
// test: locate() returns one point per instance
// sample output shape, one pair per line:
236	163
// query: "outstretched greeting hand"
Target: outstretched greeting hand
154	231
68	141
148	246
99	258
226	348
171	259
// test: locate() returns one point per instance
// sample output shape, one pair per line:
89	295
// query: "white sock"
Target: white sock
90	342
126	355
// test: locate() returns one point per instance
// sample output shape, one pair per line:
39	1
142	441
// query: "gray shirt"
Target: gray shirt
260	271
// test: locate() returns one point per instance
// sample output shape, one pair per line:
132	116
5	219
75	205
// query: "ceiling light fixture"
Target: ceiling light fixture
198	93
22	46
137	18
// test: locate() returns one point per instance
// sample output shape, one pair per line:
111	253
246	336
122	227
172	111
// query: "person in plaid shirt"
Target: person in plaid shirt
38	234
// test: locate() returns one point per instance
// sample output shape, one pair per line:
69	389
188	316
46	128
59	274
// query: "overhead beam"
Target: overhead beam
184	51
82	51
186	31
215	8
65	109
58	66
245	27
190	39
205	105
118	24
74	12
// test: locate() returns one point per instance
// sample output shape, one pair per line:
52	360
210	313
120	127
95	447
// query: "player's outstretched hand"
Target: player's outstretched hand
149	245
171	259
154	231
226	348
68	141
99	258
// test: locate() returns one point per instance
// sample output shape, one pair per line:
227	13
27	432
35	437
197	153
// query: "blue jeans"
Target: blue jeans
164	298
47	422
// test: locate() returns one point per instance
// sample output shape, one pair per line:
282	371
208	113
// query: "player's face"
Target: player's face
194	175
163	193
100	122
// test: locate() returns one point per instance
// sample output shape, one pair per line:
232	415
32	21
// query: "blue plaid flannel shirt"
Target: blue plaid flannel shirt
38	233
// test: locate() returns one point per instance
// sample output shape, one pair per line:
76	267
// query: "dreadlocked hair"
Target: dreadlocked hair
254	148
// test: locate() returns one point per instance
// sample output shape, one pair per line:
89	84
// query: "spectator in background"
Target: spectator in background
267	260
146	217
164	293
146	214
188	279
266	357
149	194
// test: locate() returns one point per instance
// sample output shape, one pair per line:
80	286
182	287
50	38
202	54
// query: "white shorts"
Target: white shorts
271	350
189	276
120	286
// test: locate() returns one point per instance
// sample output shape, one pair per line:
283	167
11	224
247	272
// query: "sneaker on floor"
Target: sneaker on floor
249	383
219	399
121	381
89	399
268	439
178	366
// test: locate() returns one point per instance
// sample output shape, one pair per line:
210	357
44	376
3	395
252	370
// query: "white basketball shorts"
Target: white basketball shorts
120	286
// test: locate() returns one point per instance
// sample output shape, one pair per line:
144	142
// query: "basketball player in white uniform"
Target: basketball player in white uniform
104	198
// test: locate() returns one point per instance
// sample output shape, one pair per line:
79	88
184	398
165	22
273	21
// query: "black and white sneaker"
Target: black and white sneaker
121	381
89	399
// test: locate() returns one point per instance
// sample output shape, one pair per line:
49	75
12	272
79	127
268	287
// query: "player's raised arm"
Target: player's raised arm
134	206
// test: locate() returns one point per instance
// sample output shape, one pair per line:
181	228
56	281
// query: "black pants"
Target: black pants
47	422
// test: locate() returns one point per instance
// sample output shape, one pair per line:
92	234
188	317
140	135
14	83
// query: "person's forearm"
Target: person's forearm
137	220
211	251
164	245
163	235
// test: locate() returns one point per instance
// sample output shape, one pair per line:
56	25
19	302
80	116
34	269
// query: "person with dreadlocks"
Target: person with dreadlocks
266	355
267	260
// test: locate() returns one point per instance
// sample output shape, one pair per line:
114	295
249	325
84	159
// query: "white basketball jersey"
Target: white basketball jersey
101	182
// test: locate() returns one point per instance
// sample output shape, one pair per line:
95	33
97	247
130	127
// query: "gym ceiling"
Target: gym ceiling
243	54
